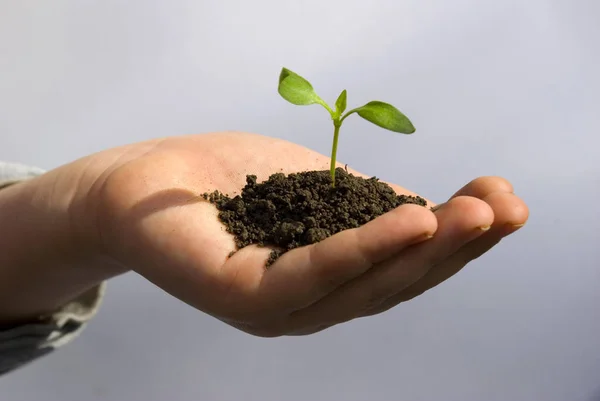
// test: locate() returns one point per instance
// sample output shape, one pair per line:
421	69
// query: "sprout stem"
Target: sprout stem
336	133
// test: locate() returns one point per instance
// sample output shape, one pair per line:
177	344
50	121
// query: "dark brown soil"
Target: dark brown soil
299	209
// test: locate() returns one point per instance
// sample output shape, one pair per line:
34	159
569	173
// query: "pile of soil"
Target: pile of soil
299	209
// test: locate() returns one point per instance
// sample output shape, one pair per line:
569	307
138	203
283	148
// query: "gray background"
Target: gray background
506	88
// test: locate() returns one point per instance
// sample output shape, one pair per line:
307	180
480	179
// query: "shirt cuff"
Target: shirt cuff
27	342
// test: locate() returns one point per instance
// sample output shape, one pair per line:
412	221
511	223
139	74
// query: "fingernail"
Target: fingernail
511	228
422	238
484	228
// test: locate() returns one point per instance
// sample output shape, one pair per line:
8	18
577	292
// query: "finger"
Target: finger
460	221
305	275
482	187
510	213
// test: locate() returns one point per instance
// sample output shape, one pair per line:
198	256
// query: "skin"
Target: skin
137	208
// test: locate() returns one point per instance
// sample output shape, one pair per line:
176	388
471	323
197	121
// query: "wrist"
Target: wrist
45	259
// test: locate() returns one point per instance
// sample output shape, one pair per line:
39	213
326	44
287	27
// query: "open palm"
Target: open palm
152	219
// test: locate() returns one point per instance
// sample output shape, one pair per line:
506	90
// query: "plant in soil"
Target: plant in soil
298	209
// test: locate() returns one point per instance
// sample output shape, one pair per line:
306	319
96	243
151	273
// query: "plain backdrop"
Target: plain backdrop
506	88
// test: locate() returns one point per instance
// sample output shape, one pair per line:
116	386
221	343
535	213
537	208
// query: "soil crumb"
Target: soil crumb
287	212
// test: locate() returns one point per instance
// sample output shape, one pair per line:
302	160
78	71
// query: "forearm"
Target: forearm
44	263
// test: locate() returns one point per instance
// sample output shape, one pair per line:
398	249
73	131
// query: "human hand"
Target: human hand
142	208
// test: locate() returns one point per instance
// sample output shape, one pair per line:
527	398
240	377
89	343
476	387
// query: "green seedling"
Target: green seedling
298	91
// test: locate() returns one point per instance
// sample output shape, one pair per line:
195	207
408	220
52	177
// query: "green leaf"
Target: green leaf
386	116
295	89
340	103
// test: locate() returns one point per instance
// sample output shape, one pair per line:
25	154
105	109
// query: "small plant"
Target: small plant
298	91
